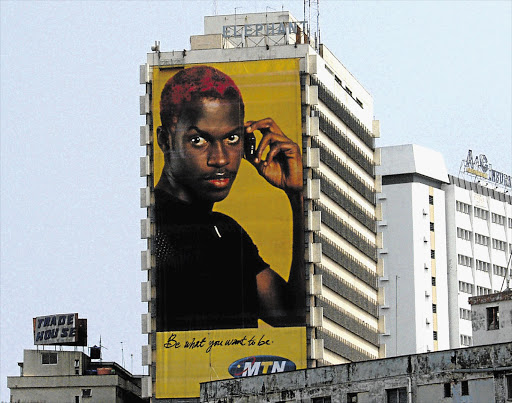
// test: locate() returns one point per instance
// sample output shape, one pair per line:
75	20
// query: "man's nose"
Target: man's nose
218	157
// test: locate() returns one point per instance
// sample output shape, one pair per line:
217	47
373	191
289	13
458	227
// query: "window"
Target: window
77	399
86	392
433	281
431	200
448	389
498	219
462	207
466	340
463	234
48	358
481	265
398	395
323	399
432	254
435	335
481	213
509	387
497	244
499	270
465	287
493	318
465	260
351	397
465	314
481	239
434	308
464	386
510	222
431	227
483	290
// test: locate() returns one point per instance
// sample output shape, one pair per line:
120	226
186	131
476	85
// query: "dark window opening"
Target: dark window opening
432	253
493	318
432	227
323	399
49	358
435	335
433	281
448	389
509	387
434	308
351	397
464	388
398	395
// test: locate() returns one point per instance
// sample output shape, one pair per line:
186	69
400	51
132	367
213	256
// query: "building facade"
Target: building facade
414	277
446	239
479	246
71	376
339	157
475	374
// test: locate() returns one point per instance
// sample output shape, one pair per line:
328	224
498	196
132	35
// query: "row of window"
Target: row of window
483	290
463	234
463	207
498	219
465	260
481	213
499	245
499	270
481	265
481	239
465	313
465	287
466	340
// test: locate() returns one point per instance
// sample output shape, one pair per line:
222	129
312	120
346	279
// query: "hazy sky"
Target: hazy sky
439	72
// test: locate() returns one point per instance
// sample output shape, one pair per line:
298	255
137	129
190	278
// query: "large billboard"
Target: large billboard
228	213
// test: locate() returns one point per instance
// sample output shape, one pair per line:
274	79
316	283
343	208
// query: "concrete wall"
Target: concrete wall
423	376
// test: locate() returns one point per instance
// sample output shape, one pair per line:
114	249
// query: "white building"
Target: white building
479	244
445	239
414	276
338	134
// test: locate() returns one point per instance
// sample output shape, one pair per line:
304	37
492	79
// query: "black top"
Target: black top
206	267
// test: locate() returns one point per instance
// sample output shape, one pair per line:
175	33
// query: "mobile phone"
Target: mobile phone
249	146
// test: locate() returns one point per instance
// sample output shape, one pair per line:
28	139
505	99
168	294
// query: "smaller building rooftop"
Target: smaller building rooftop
490	298
412	159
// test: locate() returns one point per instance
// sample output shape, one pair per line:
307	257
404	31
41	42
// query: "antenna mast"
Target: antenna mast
313	30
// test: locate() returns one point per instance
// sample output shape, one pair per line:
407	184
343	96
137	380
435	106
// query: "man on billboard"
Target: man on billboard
208	271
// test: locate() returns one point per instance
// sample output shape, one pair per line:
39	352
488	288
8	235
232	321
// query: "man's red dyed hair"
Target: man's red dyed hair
192	84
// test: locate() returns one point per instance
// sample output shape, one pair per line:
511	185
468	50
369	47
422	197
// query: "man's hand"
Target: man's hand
283	165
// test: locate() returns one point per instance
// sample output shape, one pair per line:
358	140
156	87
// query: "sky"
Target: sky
439	72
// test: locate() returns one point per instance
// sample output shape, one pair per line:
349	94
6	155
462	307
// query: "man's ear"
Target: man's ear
164	138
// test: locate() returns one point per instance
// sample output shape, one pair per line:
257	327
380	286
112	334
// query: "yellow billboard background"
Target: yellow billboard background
184	359
270	88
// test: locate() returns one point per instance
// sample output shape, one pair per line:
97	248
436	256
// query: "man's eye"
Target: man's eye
233	139
198	141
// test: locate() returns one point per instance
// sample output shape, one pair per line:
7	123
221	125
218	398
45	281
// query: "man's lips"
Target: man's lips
219	183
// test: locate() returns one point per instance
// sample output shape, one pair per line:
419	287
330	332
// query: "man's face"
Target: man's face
206	150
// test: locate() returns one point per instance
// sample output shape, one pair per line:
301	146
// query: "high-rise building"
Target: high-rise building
414	277
445	239
320	106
